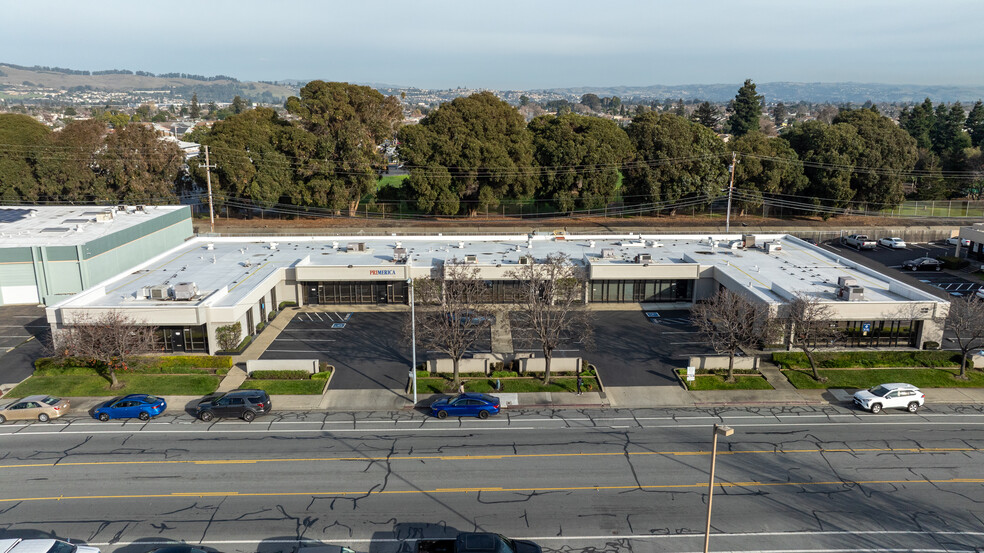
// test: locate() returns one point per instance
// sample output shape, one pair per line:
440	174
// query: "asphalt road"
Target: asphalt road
793	479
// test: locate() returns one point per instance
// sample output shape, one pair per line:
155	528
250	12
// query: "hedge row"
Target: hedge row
870	359
168	364
280	375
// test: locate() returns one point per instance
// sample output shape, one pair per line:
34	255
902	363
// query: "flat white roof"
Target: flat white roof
26	226
241	264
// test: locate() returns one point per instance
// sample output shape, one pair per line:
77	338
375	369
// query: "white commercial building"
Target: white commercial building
206	283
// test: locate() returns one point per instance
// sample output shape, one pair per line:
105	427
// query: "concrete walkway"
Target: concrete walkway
502	333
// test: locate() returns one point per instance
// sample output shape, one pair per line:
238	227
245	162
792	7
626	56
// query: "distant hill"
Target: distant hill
217	89
857	93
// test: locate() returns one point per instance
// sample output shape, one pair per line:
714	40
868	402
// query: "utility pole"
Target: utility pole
731	187
208	180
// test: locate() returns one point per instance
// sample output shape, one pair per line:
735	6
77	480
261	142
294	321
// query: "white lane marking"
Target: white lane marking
659	537
303	340
296	350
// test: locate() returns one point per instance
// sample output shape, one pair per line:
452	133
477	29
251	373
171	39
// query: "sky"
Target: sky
509	44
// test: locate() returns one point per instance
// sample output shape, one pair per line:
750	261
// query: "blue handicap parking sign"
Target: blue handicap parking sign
338	325
866	327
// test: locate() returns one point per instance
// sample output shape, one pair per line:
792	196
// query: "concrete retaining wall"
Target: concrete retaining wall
309	365
435	366
721	362
557	364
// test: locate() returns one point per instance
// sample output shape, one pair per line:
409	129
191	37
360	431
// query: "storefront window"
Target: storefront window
356	292
641	291
871	334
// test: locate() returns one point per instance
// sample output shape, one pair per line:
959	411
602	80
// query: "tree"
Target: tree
353	121
706	114
746	109
829	153
766	166
228	336
580	157
75	174
551	304
779	113
674	158
524	100
930	184
22	139
811	325
918	122
111	340
728	322
195	111
975	124
887	153
592	101
965	321
679	109
238	105
482	143
139	167
450	317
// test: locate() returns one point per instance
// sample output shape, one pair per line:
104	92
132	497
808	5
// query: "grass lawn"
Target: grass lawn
717	382
286	387
486	385
861	378
91	385
865	359
390	180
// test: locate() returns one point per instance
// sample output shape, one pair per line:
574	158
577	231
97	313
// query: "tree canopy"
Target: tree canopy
887	153
474	150
746	110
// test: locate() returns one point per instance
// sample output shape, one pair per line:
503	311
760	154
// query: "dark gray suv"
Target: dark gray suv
244	404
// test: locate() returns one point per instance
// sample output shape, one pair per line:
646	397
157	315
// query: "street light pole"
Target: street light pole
723	430
413	340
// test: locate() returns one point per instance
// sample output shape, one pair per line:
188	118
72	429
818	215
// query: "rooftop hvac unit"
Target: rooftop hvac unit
608	253
525	260
355	247
121	207
104	216
748	240
140	208
471	259
851	293
273	245
185	291
157	292
400	255
461	245
643	258
846	281
772	247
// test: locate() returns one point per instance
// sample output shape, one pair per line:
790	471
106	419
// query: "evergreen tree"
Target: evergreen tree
679	109
779	114
238	105
747	108
975	124
196	110
919	122
706	114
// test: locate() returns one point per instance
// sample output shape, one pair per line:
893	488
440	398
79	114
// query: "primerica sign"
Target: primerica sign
382	272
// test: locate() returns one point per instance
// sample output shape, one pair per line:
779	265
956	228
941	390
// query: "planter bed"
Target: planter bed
866	378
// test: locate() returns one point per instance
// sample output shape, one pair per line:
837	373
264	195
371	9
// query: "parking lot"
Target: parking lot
952	284
23	331
368	350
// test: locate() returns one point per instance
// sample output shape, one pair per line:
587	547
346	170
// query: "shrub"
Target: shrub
194	361
861	359
504	374
931	345
280	375
260	326
272	315
953	262
284	304
323	375
228	336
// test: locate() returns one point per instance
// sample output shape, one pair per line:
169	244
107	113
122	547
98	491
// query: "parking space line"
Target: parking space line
298	350
305	340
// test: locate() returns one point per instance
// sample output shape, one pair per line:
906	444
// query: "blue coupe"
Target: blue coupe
141	406
466	405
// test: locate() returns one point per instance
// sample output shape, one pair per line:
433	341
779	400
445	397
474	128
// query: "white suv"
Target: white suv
888	396
43	546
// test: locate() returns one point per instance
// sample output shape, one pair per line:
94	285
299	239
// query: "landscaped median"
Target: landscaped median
856	369
157	375
507	382
290	382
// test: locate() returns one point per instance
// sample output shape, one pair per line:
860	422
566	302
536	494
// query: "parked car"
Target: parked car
470	317
466	405
177	548
923	264
16	545
859	241
954	240
979	294
890	396
140	406
43	408
894	242
244	404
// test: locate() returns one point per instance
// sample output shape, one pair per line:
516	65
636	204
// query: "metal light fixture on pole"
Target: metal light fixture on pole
723	430
413	341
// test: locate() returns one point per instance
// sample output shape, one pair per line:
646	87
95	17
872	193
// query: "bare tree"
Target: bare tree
966	321
729	322
551	303
811	326
111	340
450	318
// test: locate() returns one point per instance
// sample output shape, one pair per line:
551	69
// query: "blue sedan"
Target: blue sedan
466	405
141	406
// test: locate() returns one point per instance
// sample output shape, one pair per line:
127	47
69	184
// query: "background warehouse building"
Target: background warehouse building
49	253
206	283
